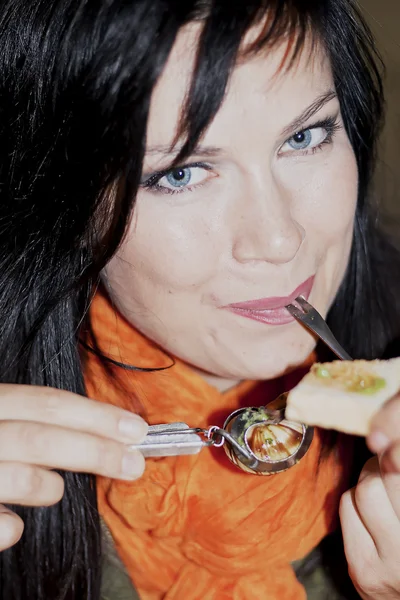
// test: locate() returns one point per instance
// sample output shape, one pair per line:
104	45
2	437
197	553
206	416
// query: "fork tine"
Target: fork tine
294	311
304	304
315	322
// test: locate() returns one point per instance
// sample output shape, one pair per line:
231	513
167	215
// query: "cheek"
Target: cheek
326	209
326	199
178	253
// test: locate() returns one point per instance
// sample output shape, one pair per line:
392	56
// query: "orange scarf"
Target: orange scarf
196	527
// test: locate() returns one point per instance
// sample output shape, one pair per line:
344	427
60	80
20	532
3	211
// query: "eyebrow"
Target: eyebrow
309	112
293	127
167	150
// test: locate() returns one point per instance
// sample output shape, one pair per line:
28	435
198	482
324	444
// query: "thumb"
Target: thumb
11	528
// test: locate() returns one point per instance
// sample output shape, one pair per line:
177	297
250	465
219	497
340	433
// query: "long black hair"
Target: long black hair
76	78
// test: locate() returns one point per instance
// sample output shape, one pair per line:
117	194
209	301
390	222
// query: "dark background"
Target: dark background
383	17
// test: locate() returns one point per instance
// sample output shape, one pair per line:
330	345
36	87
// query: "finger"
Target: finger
11	528
356	537
390	470
376	510
385	426
56	447
390	460
58	407
29	485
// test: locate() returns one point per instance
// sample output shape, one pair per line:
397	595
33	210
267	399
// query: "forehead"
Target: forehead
262	82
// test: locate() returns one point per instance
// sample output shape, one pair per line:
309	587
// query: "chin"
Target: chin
283	358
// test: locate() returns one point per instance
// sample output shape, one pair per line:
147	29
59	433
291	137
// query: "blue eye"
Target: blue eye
179	177
311	139
301	140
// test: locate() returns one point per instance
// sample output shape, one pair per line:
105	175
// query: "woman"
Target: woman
206	162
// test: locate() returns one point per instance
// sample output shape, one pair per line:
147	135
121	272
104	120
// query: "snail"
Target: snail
261	441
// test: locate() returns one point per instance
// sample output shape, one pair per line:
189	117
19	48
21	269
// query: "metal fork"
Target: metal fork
310	318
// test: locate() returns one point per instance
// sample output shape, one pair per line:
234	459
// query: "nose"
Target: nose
265	229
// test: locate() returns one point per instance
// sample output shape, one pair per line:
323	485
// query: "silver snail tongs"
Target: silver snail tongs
257	439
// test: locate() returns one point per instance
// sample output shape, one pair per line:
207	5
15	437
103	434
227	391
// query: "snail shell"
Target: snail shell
271	443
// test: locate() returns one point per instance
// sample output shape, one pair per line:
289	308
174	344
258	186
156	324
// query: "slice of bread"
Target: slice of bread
344	395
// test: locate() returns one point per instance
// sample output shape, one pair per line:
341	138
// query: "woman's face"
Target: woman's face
263	211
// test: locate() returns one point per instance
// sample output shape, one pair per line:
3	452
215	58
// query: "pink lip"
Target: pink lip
272	310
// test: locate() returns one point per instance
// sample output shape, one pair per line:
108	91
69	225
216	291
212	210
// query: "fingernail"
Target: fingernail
132	465
378	441
133	428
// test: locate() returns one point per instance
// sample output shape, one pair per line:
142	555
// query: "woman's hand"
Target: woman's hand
385	435
370	517
43	429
